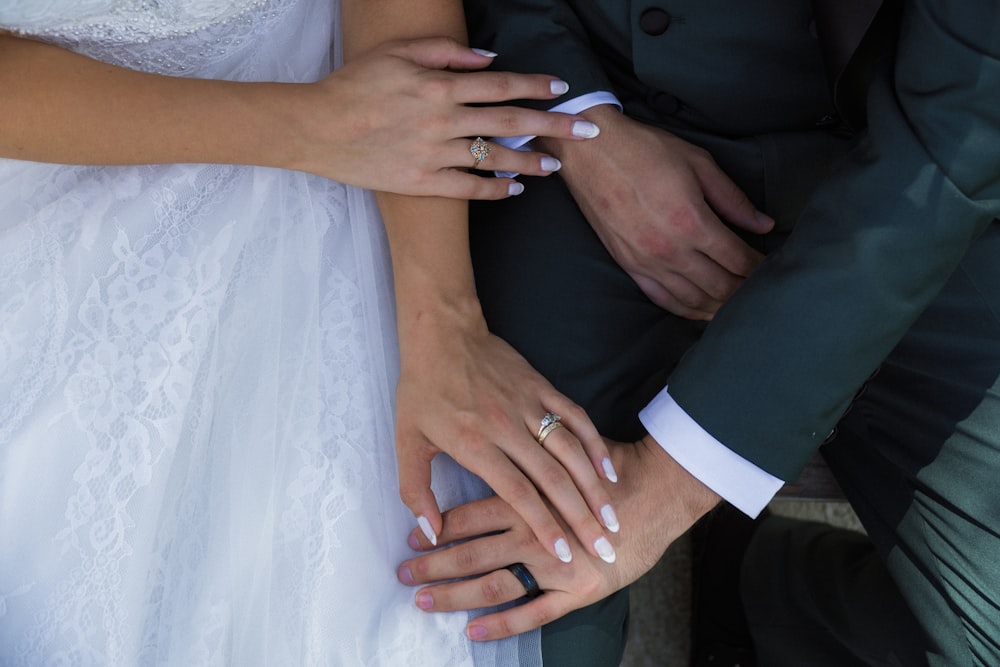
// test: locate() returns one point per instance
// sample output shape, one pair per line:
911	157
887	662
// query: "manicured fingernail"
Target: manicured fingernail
562	550
550	164
585	129
425	601
558	87
404	575
425	527
413	542
476	632
609	470
515	189
610	518
484	52
604	550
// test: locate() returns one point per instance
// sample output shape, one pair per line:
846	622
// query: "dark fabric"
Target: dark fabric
590	637
891	262
820	596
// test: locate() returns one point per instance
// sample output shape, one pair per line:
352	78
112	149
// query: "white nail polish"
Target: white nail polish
559	87
425	528
515	189
609	470
605	550
585	129
484	52
610	518
562	550
550	164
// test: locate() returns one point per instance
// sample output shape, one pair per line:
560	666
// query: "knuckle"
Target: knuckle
493	589
575	412
521	492
657	243
553	475
438	87
504	627
467	559
409	494
509	123
536	616
702	156
503	85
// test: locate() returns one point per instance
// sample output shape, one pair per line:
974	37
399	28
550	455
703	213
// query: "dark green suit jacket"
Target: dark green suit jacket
875	237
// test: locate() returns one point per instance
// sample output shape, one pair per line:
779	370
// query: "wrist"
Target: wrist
676	485
437	321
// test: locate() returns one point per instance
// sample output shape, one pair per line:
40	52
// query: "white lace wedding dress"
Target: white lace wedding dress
196	374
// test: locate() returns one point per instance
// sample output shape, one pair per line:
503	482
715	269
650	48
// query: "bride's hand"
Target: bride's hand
466	392
398	120
658	499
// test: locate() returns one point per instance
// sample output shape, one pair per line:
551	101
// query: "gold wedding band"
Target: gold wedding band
550	422
544	433
479	149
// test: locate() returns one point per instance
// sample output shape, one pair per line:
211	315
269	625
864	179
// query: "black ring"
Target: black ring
527	580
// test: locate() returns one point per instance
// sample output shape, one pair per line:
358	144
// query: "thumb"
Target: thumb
444	53
415	488
730	202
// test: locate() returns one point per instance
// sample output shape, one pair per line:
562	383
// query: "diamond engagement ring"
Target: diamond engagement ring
479	149
550	422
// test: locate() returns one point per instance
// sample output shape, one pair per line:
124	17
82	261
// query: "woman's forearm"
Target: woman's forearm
428	236
58	106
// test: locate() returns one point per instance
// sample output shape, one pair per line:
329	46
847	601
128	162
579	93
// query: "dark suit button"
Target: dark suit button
654	21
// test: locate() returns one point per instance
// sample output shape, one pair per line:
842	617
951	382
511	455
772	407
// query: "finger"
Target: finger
659	295
706	280
553	479
415	485
490	590
686	295
457	184
566	448
494	87
576	420
731	203
511	484
507	121
486	155
441	53
472	558
479	517
522	618
729	200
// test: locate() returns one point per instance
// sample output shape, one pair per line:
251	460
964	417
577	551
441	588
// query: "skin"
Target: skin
65	108
657	500
462	390
405	91
658	204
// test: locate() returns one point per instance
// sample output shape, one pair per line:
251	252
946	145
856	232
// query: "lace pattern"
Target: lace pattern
196	373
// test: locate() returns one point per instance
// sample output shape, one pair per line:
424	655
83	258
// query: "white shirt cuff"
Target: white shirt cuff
573	106
746	487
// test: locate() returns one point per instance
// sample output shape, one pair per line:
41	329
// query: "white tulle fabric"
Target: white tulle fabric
196	375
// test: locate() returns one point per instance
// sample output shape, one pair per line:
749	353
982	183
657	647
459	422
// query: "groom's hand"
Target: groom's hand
657	203
657	499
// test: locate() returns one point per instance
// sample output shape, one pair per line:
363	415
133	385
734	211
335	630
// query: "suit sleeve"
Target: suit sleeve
534	36
783	359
